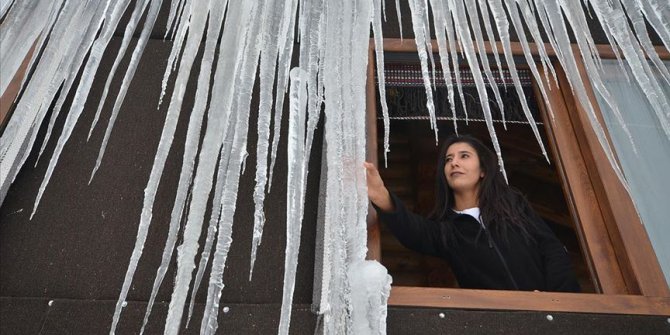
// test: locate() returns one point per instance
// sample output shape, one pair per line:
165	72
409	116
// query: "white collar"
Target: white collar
474	212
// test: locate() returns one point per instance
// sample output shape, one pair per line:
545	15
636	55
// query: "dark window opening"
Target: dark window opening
411	163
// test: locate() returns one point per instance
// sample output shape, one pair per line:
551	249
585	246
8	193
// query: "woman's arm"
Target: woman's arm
413	231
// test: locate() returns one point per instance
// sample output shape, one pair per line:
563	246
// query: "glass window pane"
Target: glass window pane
647	171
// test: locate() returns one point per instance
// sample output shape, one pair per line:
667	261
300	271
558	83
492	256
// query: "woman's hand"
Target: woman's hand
377	192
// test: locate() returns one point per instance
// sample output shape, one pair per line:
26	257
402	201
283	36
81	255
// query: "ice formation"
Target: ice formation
256	41
367	279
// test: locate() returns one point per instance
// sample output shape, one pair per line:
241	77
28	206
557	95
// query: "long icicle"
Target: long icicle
202	184
130	73
516	22
473	15
379	57
236	157
283	66
440	29
418	22
191	147
21	129
111	21
135	17
463	32
72	41
295	181
267	78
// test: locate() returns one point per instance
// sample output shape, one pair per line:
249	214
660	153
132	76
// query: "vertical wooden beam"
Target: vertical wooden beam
374	234
580	195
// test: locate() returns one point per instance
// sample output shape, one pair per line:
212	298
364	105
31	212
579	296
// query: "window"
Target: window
645	166
410	174
621	262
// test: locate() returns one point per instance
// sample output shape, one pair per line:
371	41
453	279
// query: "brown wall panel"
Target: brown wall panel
79	242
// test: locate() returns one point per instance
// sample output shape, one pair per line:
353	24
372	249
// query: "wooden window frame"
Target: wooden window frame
618	252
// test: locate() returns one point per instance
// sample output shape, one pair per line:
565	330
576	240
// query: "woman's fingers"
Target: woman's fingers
370	168
373	177
377	192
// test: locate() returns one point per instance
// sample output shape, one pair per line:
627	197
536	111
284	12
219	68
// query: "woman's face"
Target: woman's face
462	168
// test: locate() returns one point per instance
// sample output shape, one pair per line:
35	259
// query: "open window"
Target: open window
578	194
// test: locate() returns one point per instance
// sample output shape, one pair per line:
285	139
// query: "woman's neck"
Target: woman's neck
465	200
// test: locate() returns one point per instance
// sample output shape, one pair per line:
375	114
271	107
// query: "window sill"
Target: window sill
528	301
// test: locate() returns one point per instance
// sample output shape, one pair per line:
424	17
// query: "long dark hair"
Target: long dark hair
501	206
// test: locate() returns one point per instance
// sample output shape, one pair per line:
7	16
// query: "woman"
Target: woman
486	230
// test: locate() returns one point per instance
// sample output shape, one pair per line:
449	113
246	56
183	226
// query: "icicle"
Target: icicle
315	99
296	181
203	178
130	73
214	219
463	31
267	78
473	15
567	60
502	26
429	44
345	140
41	40
5	5
662	10
379	53
330	305
583	40
440	22
372	284
191	146
220	111
333	300
635	13
177	44
513	12
357	125
451	40
529	19
20	28
111	20
656	19
175	6
283	66
21	129
164	145
418	10
10	33
238	151
181	14
484	12
137	14
397	11
71	44
224	230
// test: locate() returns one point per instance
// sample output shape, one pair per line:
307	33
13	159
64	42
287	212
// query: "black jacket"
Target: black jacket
480	257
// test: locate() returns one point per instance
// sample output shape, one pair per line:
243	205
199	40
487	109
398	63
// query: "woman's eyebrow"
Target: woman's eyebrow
460	152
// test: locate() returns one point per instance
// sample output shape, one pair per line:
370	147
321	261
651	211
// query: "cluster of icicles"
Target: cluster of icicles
255	42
